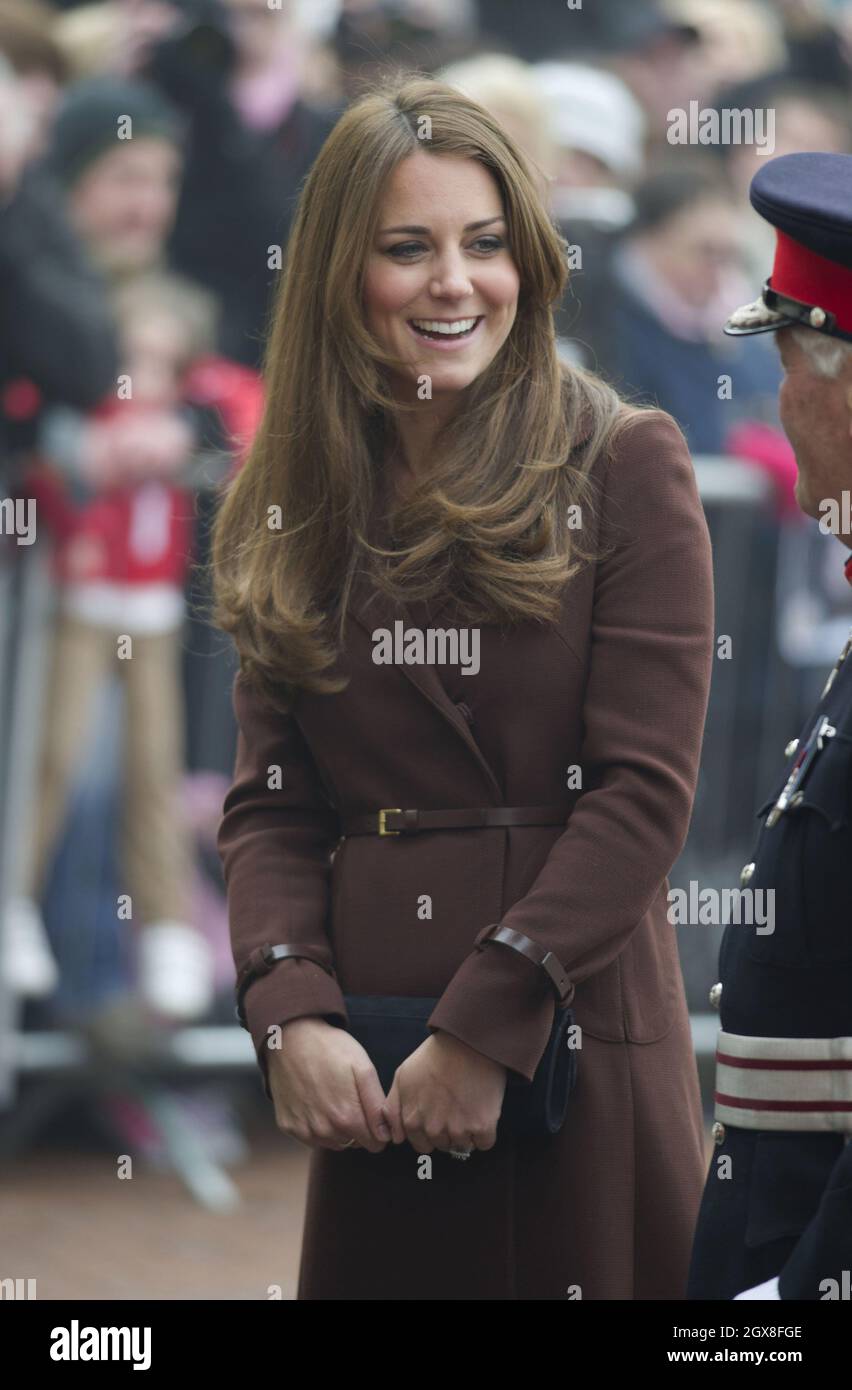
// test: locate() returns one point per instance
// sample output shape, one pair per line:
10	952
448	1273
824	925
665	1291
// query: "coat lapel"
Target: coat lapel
372	609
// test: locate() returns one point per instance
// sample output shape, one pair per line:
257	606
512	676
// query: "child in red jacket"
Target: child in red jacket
115	498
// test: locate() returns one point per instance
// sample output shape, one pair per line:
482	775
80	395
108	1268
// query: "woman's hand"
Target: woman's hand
446	1095
325	1088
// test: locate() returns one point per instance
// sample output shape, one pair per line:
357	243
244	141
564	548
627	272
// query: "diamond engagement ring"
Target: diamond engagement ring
460	1153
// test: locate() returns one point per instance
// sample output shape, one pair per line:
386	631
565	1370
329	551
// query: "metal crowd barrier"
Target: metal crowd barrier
24	601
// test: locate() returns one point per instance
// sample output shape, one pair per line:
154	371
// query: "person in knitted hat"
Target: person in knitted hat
117	152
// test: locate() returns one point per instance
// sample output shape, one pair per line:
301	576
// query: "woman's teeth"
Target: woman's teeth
436	328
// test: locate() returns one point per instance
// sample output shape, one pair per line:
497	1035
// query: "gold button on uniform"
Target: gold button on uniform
747	874
716	996
791	748
718	1132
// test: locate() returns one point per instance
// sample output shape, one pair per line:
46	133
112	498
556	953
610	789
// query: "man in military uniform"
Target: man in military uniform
776	1217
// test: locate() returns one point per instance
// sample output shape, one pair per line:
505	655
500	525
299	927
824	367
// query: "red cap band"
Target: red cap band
802	274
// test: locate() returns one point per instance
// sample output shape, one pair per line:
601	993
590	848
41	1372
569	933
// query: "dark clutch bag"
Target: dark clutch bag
391	1027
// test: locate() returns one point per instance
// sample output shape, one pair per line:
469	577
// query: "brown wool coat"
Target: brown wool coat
606	1208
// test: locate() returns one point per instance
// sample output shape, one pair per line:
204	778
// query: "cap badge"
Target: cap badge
758	312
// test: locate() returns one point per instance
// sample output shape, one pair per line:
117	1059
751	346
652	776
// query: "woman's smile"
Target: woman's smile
447	335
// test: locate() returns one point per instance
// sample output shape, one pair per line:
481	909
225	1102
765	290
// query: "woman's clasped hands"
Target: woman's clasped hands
327	1094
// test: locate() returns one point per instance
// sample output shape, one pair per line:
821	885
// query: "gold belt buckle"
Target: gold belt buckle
383	830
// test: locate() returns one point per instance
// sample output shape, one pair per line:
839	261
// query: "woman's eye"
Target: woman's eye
404	250
407	250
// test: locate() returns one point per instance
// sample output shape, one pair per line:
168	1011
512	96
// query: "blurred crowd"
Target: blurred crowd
151	152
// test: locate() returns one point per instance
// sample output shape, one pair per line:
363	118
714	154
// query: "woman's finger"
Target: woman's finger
373	1105
394	1114
419	1142
464	1142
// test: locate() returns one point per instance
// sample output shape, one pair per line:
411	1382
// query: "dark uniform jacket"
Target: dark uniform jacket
786	1209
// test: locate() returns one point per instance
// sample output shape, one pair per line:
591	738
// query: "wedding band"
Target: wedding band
349	1143
460	1153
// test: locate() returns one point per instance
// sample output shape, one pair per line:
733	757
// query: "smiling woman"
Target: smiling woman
452	284
454	277
429	456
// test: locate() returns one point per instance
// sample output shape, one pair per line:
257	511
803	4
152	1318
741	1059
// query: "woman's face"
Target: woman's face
441	287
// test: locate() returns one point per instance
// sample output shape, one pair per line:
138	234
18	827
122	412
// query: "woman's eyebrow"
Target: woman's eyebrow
424	231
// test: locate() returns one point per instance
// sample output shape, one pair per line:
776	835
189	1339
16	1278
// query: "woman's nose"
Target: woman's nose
451	281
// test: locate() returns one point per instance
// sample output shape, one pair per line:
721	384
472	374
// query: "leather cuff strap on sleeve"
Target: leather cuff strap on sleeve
261	961
539	955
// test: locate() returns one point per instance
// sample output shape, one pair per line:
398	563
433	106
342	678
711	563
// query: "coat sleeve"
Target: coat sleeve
644	709
822	1251
275	844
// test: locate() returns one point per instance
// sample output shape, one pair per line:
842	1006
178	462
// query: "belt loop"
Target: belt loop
410	821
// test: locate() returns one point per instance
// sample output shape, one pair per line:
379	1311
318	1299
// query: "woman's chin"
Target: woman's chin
432	378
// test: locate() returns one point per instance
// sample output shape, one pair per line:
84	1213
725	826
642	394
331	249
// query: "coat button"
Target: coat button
716	996
747	874
718	1132
791	748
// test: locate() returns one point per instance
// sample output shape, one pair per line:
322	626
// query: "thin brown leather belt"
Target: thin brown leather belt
393	820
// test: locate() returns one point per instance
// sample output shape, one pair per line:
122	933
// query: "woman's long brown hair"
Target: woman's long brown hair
493	521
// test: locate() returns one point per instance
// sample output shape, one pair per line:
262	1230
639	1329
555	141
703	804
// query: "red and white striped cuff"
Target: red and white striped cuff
784	1083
